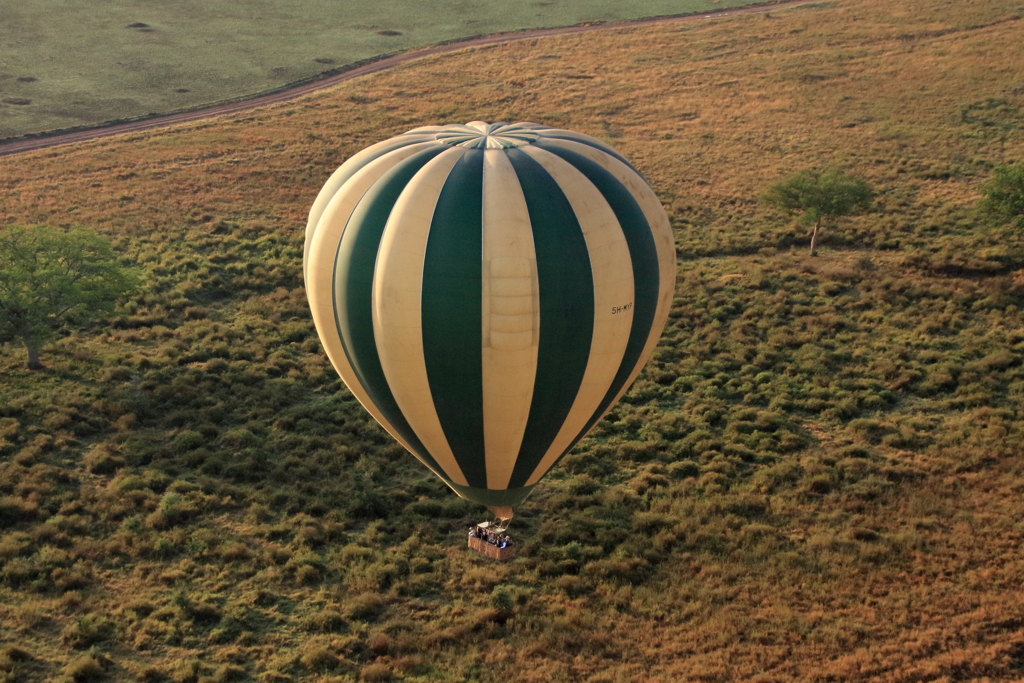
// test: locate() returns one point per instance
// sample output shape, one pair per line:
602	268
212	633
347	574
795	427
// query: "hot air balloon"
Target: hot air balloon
488	292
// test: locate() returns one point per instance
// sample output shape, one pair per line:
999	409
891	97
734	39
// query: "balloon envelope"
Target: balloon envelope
488	292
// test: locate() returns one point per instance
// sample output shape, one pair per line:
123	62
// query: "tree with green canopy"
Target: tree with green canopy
1004	194
50	277
819	197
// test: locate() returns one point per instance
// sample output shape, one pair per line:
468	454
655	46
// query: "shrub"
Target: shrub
375	672
240	438
100	460
84	668
683	469
318	656
379	643
196	546
164	547
186	441
328	620
14	511
87	631
1004	194
364	607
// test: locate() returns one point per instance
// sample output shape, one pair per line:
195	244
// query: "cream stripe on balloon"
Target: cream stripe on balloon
423	130
319	289
337	181
511	316
664	242
613	297
397	316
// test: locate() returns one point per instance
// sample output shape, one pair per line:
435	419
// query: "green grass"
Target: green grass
82	63
817	478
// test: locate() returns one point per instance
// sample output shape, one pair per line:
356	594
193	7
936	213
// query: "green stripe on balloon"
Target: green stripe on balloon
566	310
644	257
493	497
587	141
452	314
353	287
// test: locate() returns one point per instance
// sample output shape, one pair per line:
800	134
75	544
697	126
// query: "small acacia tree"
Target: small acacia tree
50	277
819	197
1004	194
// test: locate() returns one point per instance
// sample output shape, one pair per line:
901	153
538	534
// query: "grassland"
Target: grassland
817	478
90	62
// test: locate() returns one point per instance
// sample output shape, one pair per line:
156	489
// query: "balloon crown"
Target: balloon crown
480	135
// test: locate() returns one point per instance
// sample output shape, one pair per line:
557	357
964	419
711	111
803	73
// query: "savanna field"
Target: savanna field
817	478
93	62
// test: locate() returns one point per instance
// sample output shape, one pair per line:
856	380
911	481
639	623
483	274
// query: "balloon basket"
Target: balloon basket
489	540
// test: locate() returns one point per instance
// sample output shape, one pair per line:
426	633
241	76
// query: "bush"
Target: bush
501	599
87	631
14	511
379	643
1004	194
186	441
375	672
365	607
318	657
683	469
84	668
